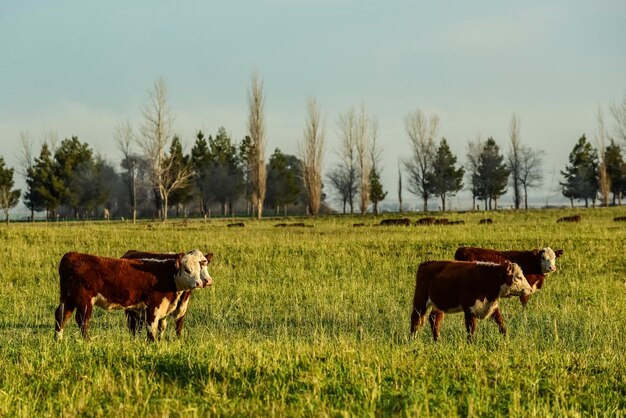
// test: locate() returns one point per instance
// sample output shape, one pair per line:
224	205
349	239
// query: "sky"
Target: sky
76	68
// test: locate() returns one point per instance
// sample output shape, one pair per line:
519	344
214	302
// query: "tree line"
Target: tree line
157	177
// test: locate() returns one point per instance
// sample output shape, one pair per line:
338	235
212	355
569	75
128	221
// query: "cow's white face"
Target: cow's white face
206	278
519	284
190	275
548	258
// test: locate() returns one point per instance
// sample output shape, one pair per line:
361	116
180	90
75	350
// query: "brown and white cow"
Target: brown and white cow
136	318
573	218
397	221
468	287
534	263
111	283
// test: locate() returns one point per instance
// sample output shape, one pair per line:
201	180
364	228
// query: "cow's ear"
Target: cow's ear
558	253
208	257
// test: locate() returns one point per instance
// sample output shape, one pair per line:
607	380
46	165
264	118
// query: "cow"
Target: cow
456	223
429	220
573	218
619	219
235	224
485	221
399	221
88	280
534	263
442	221
136	317
470	287
358	224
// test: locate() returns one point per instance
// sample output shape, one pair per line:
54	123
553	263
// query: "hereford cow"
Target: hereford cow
535	263
400	221
136	317
111	283
573	218
455	286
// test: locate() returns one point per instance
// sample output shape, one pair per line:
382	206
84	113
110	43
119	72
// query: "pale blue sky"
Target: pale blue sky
78	68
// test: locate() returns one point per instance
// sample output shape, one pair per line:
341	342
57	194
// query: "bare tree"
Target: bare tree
604	182
619	115
474	150
155	132
26	153
514	159
26	159
421	132
312	153
362	146
347	125
530	172
400	208
125	138
256	130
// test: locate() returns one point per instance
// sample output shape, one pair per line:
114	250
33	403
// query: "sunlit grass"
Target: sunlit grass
314	321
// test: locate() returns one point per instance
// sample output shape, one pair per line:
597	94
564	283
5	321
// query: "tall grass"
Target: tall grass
314	322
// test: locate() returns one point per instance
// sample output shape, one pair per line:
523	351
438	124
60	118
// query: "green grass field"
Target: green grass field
315	322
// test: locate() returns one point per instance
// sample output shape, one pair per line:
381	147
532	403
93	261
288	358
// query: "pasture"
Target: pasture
315	322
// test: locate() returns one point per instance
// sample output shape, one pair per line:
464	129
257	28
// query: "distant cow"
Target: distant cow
442	221
620	219
486	221
456	223
235	224
359	224
534	263
398	221
458	286
429	220
111	283
573	218
136	318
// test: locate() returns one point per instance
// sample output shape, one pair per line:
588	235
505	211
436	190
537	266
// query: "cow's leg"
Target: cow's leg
418	314
132	320
179	326
61	316
162	326
470	325
434	319
152	324
497	317
83	315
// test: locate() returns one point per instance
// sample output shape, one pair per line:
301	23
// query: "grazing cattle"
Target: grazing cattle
442	221
620	219
136	317
235	224
425	221
459	286
111	283
486	221
535	263
295	224
456	223
573	218
399	221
